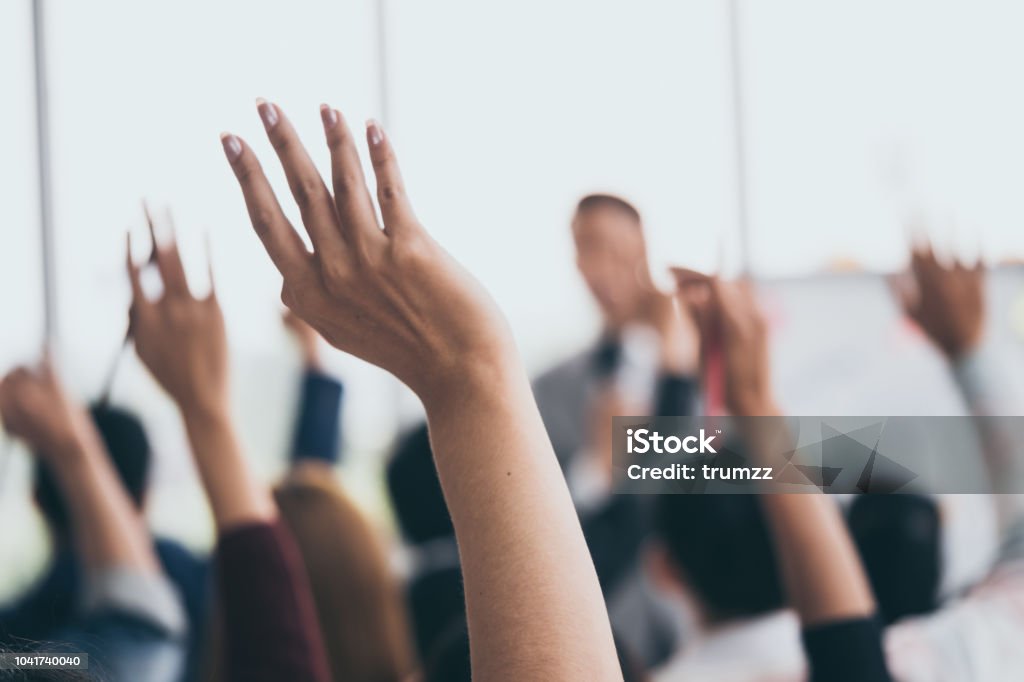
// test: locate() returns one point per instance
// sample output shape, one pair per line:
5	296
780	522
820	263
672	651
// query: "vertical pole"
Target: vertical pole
383	65
739	135
45	186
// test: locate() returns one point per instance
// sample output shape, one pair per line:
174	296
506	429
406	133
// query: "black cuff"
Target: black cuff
317	431
846	651
675	396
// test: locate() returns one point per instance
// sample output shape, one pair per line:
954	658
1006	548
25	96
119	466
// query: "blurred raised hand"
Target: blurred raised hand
180	338
728	317
946	301
108	530
36	408
389	293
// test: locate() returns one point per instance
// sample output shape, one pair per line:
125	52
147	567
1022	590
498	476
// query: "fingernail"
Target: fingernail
329	116
268	112
232	146
374	133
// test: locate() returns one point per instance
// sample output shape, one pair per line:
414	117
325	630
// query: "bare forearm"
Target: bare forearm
236	498
820	566
108	530
530	585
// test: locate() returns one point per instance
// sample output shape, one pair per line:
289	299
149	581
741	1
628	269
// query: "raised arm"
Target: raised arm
821	570
108	531
392	296
130	618
315	442
270	624
948	303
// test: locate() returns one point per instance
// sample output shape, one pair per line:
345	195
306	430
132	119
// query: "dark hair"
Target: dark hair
416	495
436	599
594	201
126	442
899	538
721	546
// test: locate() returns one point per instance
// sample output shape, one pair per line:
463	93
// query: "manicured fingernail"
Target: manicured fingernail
232	146
329	116
374	133
268	112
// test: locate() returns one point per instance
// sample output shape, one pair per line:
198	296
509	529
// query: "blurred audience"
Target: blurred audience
126	615
523	562
359	605
51	603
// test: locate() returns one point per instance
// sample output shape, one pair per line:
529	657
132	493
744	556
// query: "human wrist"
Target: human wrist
204	410
470	381
755	405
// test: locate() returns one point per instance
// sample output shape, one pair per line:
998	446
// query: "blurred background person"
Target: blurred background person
123	613
51	604
644	346
359	605
974	636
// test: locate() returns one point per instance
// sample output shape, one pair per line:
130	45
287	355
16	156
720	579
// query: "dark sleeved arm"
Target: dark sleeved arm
846	651
675	396
317	431
270	627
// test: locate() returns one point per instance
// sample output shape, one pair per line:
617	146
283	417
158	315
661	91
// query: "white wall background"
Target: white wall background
503	115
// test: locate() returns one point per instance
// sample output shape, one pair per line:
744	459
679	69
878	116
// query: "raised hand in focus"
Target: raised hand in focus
387	294
947	302
392	296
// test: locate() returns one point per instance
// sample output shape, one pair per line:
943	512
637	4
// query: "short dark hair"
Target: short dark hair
416	494
721	546
594	201
899	539
128	447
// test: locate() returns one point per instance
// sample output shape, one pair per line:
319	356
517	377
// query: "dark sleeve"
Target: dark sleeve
270	627
846	651
675	396
615	533
317	429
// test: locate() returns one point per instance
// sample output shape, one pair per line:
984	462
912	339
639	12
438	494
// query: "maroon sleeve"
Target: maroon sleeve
270	627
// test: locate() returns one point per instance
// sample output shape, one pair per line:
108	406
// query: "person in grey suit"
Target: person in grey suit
643	362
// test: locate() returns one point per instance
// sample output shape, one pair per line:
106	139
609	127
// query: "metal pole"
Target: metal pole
383	65
45	187
739	135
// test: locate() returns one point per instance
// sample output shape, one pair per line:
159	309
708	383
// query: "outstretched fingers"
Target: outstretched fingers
307	187
395	208
282	242
351	196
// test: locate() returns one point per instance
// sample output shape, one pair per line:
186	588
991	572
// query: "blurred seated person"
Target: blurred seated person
976	636
715	555
434	585
110	597
51	603
359	605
